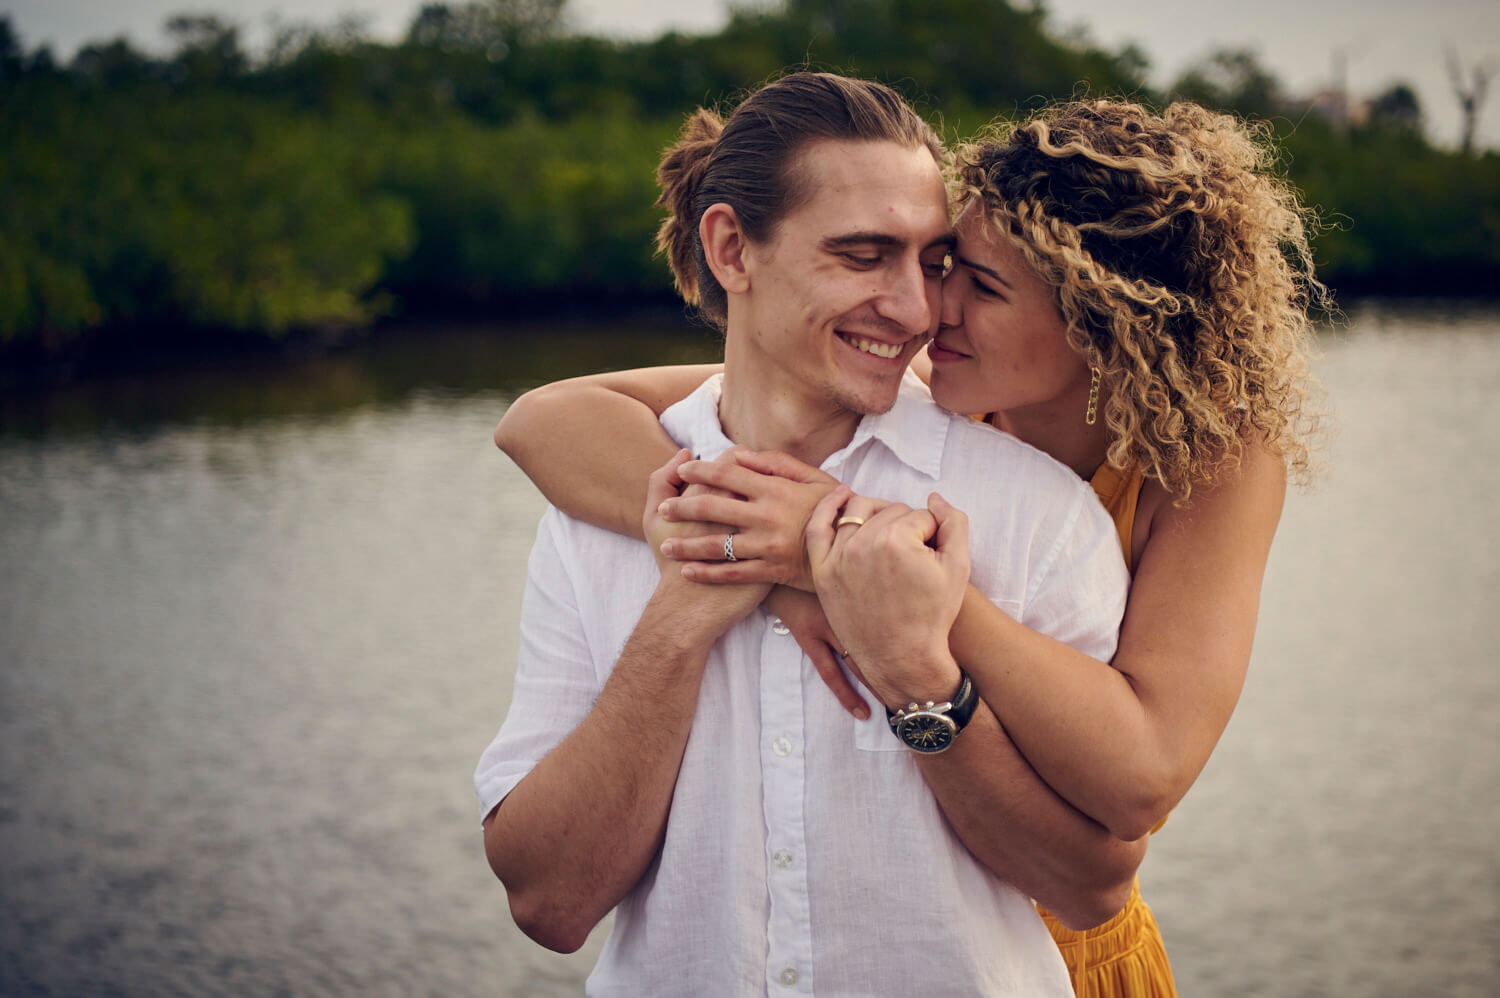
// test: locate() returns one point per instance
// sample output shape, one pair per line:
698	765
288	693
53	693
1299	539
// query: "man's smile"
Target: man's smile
888	351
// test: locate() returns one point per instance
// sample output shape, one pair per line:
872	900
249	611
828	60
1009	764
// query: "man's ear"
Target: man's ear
724	247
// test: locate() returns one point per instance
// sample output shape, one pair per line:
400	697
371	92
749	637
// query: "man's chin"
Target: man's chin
865	394
868	403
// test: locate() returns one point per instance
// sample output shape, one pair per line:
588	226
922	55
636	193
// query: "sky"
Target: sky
1379	41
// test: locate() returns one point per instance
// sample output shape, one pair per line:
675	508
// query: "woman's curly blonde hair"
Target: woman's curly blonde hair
1182	268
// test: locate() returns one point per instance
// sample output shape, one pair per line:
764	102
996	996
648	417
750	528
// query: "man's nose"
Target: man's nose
951	312
908	300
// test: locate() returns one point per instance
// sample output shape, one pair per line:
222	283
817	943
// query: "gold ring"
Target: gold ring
858	521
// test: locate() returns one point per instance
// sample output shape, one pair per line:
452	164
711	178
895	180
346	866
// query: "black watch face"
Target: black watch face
927	732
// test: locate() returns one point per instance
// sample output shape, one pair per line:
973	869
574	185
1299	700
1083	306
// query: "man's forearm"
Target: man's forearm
1025	833
579	831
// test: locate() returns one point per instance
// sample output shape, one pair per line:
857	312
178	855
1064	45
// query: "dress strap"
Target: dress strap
1120	492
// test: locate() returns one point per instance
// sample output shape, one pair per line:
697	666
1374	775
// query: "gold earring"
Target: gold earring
1093	410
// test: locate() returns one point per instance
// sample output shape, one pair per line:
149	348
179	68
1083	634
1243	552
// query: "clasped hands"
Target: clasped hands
873	583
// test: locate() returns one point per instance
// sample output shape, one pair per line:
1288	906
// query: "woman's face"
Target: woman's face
1002	345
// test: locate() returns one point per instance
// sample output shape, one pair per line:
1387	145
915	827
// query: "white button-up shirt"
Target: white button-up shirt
804	853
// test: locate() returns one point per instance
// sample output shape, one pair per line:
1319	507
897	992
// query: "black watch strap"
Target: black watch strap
964	701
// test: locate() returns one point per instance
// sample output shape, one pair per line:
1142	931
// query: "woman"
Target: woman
1129	293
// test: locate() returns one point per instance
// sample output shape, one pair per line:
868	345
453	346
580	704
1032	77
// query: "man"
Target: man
667	754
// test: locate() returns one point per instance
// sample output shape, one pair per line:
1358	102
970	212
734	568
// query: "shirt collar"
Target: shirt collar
694	422
914	430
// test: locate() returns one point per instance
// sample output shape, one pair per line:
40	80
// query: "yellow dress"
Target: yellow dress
1124	957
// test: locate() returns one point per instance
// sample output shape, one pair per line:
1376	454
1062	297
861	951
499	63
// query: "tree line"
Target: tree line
493	157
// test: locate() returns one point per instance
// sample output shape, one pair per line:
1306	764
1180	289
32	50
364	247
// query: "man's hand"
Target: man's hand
891	580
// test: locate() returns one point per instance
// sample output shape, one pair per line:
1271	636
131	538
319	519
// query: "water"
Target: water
257	625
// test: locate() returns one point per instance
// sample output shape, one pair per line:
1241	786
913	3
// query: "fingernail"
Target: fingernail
862	712
662	509
668	547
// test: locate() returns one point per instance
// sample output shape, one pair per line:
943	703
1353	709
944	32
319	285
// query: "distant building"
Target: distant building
1334	105
1397	107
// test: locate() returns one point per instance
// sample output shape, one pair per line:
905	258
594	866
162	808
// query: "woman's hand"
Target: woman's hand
801	612
765	499
716	607
891	580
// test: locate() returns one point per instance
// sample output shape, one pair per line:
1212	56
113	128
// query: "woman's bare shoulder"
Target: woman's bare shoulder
1245	502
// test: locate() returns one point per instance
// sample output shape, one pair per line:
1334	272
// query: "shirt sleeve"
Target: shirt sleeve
1078	595
556	683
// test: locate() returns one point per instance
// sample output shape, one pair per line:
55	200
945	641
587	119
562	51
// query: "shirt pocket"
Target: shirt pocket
874	734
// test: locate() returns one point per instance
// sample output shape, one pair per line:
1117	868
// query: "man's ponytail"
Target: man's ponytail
680	175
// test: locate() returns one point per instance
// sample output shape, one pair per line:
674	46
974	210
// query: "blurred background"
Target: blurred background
270	274
226	178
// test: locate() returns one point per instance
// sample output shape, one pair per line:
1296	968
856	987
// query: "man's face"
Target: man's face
849	287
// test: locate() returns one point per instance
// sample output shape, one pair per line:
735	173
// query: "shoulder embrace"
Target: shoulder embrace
1004	465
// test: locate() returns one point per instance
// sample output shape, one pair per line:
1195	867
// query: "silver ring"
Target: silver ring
729	548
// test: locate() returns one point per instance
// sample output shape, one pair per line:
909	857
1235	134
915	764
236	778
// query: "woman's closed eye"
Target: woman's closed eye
984	289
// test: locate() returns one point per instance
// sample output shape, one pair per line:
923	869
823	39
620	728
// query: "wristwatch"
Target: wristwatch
931	727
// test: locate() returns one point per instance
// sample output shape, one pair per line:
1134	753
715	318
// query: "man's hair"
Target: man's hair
749	162
1181	264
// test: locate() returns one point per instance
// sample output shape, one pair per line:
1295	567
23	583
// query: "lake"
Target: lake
257	625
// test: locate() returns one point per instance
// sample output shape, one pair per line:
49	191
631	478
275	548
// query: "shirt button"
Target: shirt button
782	746
783	858
777	627
789	977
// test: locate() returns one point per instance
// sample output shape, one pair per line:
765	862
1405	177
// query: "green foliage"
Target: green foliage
1234	80
207	209
1399	213
493	156
532	208
1403	214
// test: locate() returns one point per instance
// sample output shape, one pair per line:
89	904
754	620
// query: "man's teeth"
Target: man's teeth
887	350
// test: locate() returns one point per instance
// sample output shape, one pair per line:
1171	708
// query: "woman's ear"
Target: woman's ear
724	247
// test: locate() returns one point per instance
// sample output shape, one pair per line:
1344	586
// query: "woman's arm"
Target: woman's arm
590	443
917	559
1123	743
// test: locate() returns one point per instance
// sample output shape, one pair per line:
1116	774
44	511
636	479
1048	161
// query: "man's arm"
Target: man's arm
580	829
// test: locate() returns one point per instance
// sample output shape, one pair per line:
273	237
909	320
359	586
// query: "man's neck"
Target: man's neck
766	412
